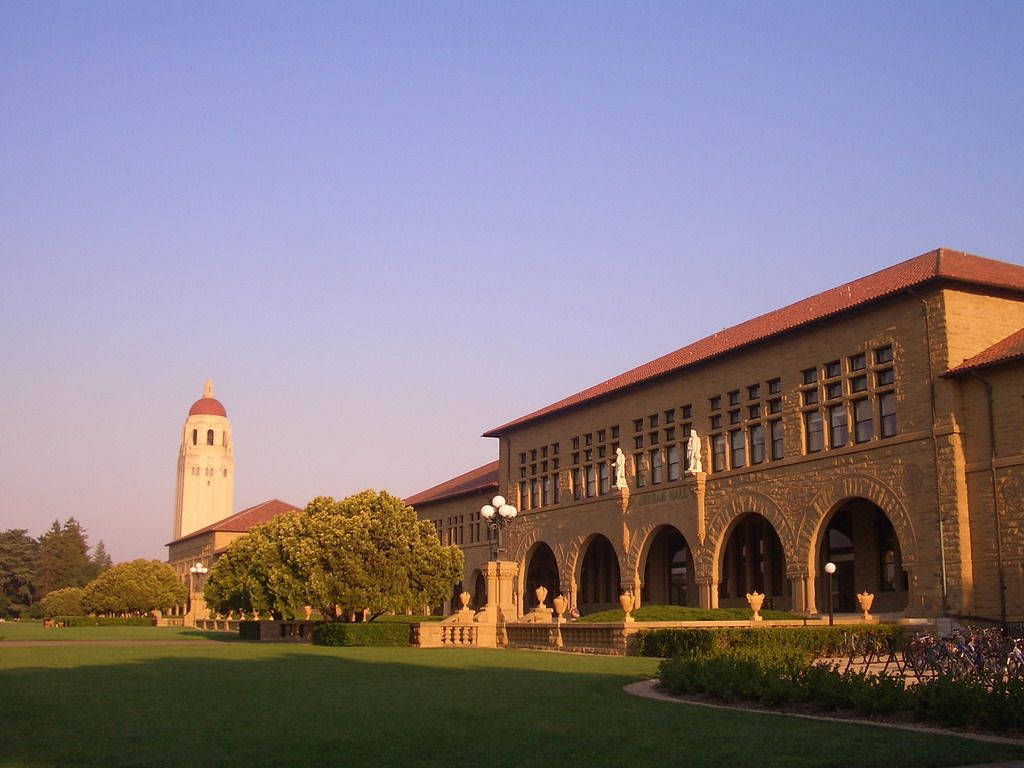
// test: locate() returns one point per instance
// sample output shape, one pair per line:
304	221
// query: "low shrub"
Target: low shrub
340	633
769	641
105	621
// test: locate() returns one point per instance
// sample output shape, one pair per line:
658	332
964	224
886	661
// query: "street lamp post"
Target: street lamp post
497	515
830	568
196	570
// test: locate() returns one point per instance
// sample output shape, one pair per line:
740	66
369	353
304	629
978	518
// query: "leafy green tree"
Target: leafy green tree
63	602
19	579
64	557
136	587
249	576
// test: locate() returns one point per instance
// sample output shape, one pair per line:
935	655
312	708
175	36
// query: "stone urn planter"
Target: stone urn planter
541	592
464	599
755	600
866	599
560	604
626	601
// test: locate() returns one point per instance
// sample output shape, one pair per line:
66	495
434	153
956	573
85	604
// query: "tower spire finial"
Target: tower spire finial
208	389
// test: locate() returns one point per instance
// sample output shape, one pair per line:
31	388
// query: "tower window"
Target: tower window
209	437
195	437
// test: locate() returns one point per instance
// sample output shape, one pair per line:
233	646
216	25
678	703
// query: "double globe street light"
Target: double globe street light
196	570
497	515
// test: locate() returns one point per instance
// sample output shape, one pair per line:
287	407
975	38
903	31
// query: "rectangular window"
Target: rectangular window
859	384
575	443
576	458
653	438
813	430
884	378
603	476
858	362
600	451
737	449
577	483
522	471
753	391
687	412
774	406
547	490
656	467
833	369
863	424
670	434
887	410
754	411
810	397
774	386
832	391
715	403
533	469
615	432
837	432
533	455
638	441
734	397
556	490
524	499
757	444
716	421
522	458
600	435
554	448
535	494
638	460
588	454
673	463
810	376
734	417
544	452
554	463
652	421
670	416
591	481
883	355
717	453
543	466
638	425
777	451
588	439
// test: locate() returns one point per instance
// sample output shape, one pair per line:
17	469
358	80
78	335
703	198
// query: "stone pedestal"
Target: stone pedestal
500	608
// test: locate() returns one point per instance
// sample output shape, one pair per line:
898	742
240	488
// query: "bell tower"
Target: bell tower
206	467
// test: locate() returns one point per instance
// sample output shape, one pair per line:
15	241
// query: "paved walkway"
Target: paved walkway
648	689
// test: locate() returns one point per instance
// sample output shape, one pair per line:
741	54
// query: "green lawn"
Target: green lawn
683	613
254	704
34	630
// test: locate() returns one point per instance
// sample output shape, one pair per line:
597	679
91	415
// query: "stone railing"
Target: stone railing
531	635
217	625
437	635
608	639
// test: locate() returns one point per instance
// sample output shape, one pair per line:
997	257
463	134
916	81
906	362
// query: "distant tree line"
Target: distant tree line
30	569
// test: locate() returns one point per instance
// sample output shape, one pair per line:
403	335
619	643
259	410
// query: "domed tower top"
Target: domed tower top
207	405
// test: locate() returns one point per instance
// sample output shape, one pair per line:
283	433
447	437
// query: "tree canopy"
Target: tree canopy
136	587
63	602
19	582
368	551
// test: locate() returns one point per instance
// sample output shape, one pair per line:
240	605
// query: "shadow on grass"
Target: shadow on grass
253	705
220	637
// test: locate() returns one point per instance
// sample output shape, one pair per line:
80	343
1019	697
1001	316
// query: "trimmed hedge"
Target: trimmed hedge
105	621
767	641
339	633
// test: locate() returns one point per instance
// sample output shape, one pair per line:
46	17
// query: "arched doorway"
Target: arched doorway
598	577
861	541
753	561
541	570
668	570
479	589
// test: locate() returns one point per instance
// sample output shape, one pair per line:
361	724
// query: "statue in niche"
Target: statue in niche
620	469
693	460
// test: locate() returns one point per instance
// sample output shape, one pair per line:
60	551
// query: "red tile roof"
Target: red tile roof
1010	348
478	479
941	263
241	522
207	406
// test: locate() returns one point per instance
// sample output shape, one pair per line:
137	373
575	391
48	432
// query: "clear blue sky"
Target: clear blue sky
384	228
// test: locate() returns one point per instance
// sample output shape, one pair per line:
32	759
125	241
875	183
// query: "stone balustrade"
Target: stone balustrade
437	635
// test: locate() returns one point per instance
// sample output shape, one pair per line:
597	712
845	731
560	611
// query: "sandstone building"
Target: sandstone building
878	425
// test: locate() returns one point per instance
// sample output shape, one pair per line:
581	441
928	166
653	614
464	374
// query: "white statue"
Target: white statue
693	462
620	468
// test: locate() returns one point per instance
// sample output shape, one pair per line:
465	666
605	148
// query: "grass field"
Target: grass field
254	704
34	630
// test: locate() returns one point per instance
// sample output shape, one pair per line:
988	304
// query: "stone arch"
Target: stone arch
477	586
598	588
832	496
539	567
723	520
578	546
651	533
641	537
